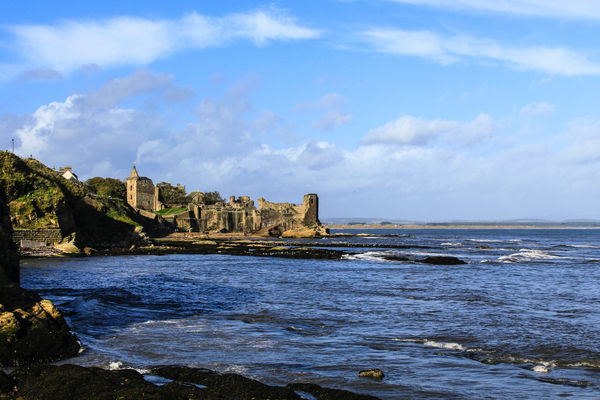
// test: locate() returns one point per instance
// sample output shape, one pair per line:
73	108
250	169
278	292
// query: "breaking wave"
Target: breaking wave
529	255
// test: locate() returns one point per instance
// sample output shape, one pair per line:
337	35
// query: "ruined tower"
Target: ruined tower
140	191
311	210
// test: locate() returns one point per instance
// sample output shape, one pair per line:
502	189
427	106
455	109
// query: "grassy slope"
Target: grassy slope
37	195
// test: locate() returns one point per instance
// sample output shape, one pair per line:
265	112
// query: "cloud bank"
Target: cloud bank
70	45
410	167
575	9
452	49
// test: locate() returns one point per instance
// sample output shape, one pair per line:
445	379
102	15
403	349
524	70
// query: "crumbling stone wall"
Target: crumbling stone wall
290	216
48	236
238	215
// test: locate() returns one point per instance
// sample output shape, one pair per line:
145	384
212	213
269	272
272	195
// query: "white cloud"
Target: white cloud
40	74
447	50
539	109
332	120
137	41
584	9
410	168
413	131
325	102
331	104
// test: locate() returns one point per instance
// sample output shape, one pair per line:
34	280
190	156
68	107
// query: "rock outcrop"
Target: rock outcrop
31	329
51	382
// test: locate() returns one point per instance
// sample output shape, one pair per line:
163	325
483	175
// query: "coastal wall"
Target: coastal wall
290	216
48	236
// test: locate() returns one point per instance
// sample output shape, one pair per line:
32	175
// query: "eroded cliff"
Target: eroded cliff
31	328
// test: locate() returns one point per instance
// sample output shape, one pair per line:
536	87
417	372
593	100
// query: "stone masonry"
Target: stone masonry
238	215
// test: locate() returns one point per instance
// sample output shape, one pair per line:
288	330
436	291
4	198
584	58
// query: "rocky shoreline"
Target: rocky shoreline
256	247
33	333
52	382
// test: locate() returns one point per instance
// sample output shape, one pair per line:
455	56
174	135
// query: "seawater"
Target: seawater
520	320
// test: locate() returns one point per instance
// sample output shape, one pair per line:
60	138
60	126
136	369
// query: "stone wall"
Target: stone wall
290	216
141	193
216	218
47	236
310	210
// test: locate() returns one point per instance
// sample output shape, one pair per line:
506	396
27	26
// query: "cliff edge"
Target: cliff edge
39	198
32	329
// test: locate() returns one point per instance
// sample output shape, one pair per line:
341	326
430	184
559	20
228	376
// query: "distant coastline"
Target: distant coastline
463	226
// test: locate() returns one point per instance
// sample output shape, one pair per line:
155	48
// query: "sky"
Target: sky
419	110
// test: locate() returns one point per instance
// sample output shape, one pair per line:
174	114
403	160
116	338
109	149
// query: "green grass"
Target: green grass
165	212
116	215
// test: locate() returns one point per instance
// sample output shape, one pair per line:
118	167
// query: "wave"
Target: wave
495	240
368	256
393	256
539	365
437	344
529	255
453	244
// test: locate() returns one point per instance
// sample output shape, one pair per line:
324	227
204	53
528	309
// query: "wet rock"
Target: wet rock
300	233
228	386
6	384
375	373
442	260
32	330
50	382
396	258
321	393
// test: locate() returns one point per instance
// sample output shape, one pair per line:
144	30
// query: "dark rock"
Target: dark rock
375	373
6	384
228	386
32	330
396	258
322	393
50	382
442	260
9	259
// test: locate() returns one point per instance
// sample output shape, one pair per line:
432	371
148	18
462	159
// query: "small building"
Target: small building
67	173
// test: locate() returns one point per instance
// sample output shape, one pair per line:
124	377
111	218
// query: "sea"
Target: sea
519	320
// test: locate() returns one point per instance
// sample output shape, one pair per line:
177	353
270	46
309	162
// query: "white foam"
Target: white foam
305	396
439	345
495	240
543	367
451	244
528	255
443	345
368	256
115	365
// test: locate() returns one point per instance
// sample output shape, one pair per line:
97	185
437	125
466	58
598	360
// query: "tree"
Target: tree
212	198
107	187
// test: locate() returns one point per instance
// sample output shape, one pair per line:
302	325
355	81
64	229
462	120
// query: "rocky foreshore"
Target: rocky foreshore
51	382
257	247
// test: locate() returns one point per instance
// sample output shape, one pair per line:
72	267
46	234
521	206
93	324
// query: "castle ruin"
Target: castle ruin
195	213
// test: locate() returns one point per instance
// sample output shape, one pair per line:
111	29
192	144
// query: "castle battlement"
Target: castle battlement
238	215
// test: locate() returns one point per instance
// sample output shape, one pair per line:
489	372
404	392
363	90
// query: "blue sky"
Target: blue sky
426	110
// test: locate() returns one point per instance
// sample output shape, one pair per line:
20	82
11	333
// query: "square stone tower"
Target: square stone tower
140	191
